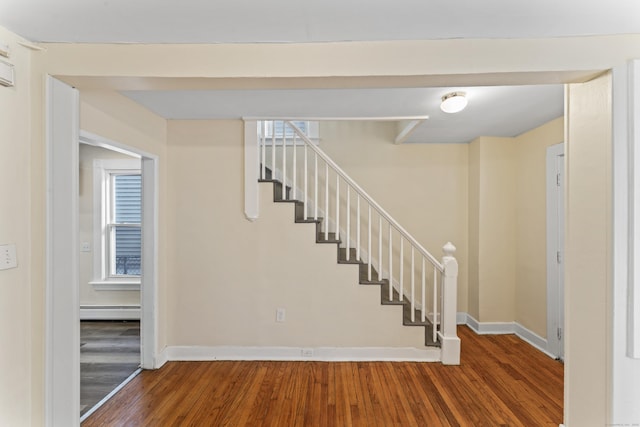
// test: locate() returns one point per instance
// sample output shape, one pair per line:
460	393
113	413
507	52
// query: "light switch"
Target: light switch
8	256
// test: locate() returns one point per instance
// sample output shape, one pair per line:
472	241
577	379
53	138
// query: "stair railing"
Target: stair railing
310	176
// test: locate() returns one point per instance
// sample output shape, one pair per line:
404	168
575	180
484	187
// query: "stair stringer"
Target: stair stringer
276	178
326	306
380	285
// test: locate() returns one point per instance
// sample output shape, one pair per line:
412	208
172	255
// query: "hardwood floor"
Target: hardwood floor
109	353
502	381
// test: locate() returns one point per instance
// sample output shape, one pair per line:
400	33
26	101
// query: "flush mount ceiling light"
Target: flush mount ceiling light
453	102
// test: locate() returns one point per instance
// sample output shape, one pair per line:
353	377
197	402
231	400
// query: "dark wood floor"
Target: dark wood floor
502	381
109	353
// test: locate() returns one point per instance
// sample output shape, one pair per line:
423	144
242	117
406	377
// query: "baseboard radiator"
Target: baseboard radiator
109	312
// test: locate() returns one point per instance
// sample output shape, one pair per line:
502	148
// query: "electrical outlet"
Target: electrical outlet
8	257
85	247
307	352
4	49
280	315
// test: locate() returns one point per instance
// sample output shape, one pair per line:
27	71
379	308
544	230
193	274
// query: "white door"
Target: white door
555	250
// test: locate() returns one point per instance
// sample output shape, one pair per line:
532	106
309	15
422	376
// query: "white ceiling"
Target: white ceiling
491	111
240	21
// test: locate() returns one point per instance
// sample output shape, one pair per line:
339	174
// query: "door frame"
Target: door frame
555	289
62	304
148	298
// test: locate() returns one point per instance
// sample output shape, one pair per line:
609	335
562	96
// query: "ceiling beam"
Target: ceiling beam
121	83
406	127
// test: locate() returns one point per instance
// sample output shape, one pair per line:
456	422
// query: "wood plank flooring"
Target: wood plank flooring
502	381
109	353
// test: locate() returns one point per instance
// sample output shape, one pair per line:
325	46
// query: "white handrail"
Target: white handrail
366	197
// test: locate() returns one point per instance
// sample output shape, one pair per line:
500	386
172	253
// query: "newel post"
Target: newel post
251	167
448	333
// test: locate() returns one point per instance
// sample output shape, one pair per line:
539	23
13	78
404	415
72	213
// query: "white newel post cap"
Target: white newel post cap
449	262
448	249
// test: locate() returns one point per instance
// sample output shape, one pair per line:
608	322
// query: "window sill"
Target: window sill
116	285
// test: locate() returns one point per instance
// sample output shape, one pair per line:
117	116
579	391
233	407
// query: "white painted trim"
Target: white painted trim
554	288
110	395
149	263
503	328
323	354
115	286
408	130
102	142
624	369
251	168
532	338
162	358
490	328
337	119
62	317
191	353
101	170
97	312
633	135
461	318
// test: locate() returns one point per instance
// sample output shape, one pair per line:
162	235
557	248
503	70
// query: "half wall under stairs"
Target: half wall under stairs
383	284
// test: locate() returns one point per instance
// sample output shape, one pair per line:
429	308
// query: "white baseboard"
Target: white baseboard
161	359
461	318
500	328
490	328
532	338
109	312
324	354
344	354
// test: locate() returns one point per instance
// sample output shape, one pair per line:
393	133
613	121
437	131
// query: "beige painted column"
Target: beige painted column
588	251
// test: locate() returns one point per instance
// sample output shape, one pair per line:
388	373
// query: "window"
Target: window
117	222
123	225
309	128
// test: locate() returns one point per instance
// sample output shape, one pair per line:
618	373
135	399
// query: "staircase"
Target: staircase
304	176
375	279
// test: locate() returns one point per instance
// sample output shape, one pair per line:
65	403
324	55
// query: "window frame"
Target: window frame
103	205
312	131
111	225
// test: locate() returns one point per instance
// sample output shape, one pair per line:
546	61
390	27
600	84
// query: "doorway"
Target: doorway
555	250
62	371
110	206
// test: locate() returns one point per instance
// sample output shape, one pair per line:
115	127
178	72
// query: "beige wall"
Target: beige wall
88	294
228	275
15	208
507	227
531	224
588	252
494	168
422	186
474	230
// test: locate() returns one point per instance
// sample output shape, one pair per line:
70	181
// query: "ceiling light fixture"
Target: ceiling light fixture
453	102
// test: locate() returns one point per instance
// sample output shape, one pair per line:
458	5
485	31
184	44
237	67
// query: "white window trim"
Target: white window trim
101	279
